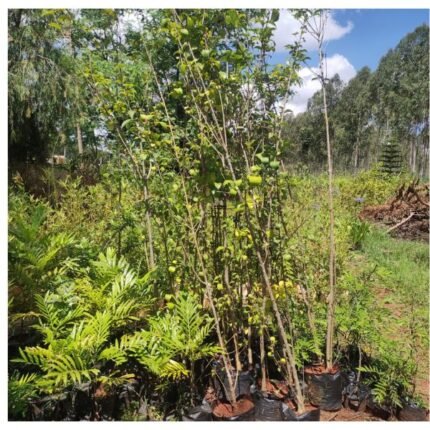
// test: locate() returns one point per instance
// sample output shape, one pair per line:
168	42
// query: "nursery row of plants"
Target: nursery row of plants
182	271
89	317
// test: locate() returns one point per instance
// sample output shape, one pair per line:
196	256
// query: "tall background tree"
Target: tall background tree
373	108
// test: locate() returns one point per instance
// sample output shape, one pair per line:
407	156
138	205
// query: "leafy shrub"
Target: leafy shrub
21	388
390	379
358	231
37	257
77	334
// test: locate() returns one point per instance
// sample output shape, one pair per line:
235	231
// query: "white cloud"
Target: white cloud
287	25
335	64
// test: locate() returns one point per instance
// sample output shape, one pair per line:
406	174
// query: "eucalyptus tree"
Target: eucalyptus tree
49	108
38	79
352	117
313	135
400	84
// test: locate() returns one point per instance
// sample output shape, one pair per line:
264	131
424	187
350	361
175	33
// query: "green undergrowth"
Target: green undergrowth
400	291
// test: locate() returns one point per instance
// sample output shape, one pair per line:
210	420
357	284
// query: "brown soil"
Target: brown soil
309	408
347	415
225	410
410	204
320	370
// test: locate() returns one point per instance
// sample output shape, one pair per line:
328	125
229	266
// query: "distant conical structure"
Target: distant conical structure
391	158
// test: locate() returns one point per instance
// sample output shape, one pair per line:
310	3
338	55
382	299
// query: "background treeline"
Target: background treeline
372	109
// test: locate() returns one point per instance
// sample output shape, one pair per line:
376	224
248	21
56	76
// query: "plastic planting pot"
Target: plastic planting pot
377	410
309	415
243	386
324	388
412	413
355	393
199	413
267	409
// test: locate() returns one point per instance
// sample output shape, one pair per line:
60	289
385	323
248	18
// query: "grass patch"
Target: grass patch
402	287
402	264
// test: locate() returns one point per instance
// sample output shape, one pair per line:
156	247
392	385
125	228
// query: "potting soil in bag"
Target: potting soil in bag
355	393
413	412
290	415
267	409
325	390
244	383
247	416
377	409
244	411
199	413
243	386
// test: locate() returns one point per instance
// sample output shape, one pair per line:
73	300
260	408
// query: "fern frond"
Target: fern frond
173	370
98	328
35	355
113	380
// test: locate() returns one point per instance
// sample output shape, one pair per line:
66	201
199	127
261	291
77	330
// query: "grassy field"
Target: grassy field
401	287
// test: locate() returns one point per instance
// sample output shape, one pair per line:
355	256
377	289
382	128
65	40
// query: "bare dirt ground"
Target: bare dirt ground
347	415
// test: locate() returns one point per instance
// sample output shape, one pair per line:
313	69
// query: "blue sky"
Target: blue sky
356	38
374	32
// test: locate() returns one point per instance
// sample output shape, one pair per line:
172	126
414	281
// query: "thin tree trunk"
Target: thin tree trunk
287	347
149	230
250	358
145	176
332	257
263	361
79	139
80	143
356	154
120	206
414	155
236	352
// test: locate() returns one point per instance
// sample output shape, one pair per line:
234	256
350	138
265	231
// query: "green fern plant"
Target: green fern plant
173	342
38	259
112	285
390	379
21	388
77	339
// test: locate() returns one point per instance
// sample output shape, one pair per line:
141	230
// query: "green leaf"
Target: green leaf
55	25
126	122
